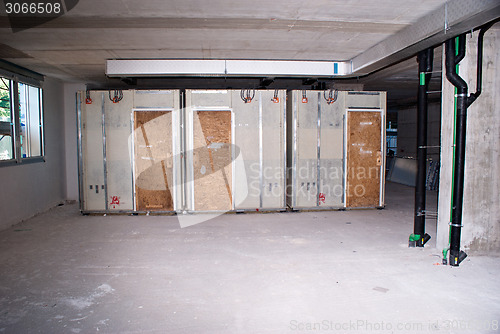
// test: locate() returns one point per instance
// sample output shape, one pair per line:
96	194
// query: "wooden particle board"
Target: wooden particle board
364	154
153	160
212	160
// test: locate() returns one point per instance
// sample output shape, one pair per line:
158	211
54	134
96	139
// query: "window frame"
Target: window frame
18	75
8	88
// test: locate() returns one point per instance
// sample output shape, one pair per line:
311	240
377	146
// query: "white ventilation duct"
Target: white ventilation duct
180	67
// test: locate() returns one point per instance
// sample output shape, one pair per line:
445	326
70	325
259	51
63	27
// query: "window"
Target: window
21	130
6	128
30	121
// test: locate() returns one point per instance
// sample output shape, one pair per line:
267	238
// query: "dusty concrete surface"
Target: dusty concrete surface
337	272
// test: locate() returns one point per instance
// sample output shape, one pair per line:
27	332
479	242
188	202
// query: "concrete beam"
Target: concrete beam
451	19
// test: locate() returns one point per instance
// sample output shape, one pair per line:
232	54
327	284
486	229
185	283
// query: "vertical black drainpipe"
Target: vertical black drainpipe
419	237
457	256
463	101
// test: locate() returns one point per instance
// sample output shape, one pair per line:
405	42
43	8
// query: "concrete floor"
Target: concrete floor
338	272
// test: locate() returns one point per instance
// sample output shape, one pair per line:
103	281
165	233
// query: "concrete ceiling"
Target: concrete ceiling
74	47
401	81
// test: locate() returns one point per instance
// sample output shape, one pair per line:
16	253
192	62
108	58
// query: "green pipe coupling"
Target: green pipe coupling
414	237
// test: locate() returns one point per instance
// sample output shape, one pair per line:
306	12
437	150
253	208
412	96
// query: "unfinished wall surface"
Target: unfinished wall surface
481	211
33	188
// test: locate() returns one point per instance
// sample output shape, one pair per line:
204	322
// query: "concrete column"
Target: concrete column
481	211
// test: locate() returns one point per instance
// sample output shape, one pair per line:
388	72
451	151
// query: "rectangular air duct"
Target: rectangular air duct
185	67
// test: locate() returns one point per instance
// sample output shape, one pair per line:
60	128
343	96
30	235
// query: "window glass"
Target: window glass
35	126
30	121
6	132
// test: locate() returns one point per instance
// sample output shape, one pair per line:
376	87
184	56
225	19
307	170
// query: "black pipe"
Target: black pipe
463	101
461	118
479	75
425	62
460	53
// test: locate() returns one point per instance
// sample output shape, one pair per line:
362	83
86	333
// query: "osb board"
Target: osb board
153	160
363	159
141	117
212	167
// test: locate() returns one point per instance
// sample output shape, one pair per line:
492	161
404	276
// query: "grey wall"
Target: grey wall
70	137
407	131
33	188
481	211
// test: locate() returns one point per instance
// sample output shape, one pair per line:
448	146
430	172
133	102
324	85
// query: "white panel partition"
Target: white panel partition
118	151
92	153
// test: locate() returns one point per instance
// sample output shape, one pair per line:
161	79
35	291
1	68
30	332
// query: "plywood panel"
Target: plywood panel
364	158
212	167
92	150
118	152
153	160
